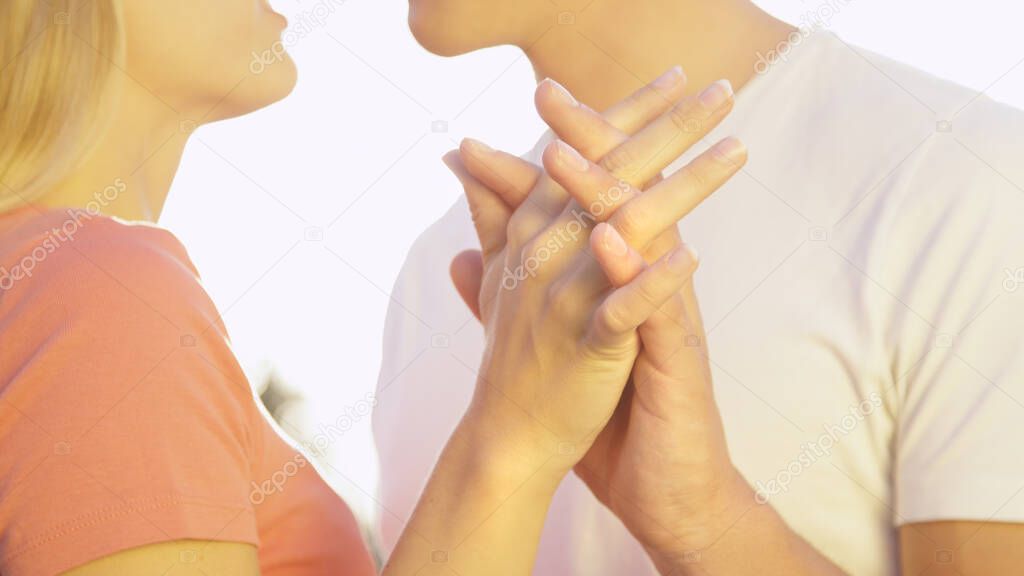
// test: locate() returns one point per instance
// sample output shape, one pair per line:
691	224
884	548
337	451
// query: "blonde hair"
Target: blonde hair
57	59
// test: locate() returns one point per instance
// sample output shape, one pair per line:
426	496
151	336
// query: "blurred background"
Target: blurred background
338	181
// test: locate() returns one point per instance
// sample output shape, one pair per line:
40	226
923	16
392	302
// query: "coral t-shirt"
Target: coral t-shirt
125	419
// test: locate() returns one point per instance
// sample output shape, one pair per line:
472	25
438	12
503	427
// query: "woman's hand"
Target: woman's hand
542	238
560	346
661	464
572	338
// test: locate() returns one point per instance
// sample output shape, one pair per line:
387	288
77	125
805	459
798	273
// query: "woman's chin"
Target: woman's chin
273	83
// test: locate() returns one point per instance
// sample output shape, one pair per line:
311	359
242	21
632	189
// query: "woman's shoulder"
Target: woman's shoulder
89	297
49	249
89	266
114	356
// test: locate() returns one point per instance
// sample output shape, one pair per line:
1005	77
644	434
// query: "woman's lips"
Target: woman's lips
270	9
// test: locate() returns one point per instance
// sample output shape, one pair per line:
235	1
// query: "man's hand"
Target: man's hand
662	464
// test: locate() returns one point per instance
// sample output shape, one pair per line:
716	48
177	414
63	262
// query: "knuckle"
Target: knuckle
562	300
697	177
556	295
675	309
638	99
647	292
531	247
685	119
629	221
624	162
612	319
476	213
529	251
520	228
533	256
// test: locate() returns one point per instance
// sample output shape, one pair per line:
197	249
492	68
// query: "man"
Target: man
859	288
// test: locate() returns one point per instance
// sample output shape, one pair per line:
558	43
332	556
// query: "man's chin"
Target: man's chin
432	37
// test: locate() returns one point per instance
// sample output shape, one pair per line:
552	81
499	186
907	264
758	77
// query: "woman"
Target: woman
131	440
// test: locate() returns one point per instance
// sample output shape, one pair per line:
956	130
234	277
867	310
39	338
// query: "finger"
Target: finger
546	200
663	206
678	321
631	305
641	217
509	176
672	336
672	339
592	273
648	103
595	189
617	264
467	271
620	263
594	134
563	163
664	140
490	214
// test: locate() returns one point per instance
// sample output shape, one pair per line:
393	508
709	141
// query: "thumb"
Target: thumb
467	271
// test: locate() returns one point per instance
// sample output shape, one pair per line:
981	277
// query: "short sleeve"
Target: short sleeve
122	419
961	353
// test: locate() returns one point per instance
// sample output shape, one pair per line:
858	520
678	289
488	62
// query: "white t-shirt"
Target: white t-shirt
862	284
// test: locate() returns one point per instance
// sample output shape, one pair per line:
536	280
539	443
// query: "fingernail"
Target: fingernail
729	151
670	79
714	96
683	258
476	146
613	241
562	93
571	158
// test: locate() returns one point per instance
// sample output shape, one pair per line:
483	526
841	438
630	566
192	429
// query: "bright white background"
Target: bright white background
353	157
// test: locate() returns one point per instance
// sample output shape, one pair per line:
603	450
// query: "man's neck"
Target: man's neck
610	48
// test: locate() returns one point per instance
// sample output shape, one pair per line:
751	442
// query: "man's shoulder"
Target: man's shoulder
423	294
878	127
450	234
